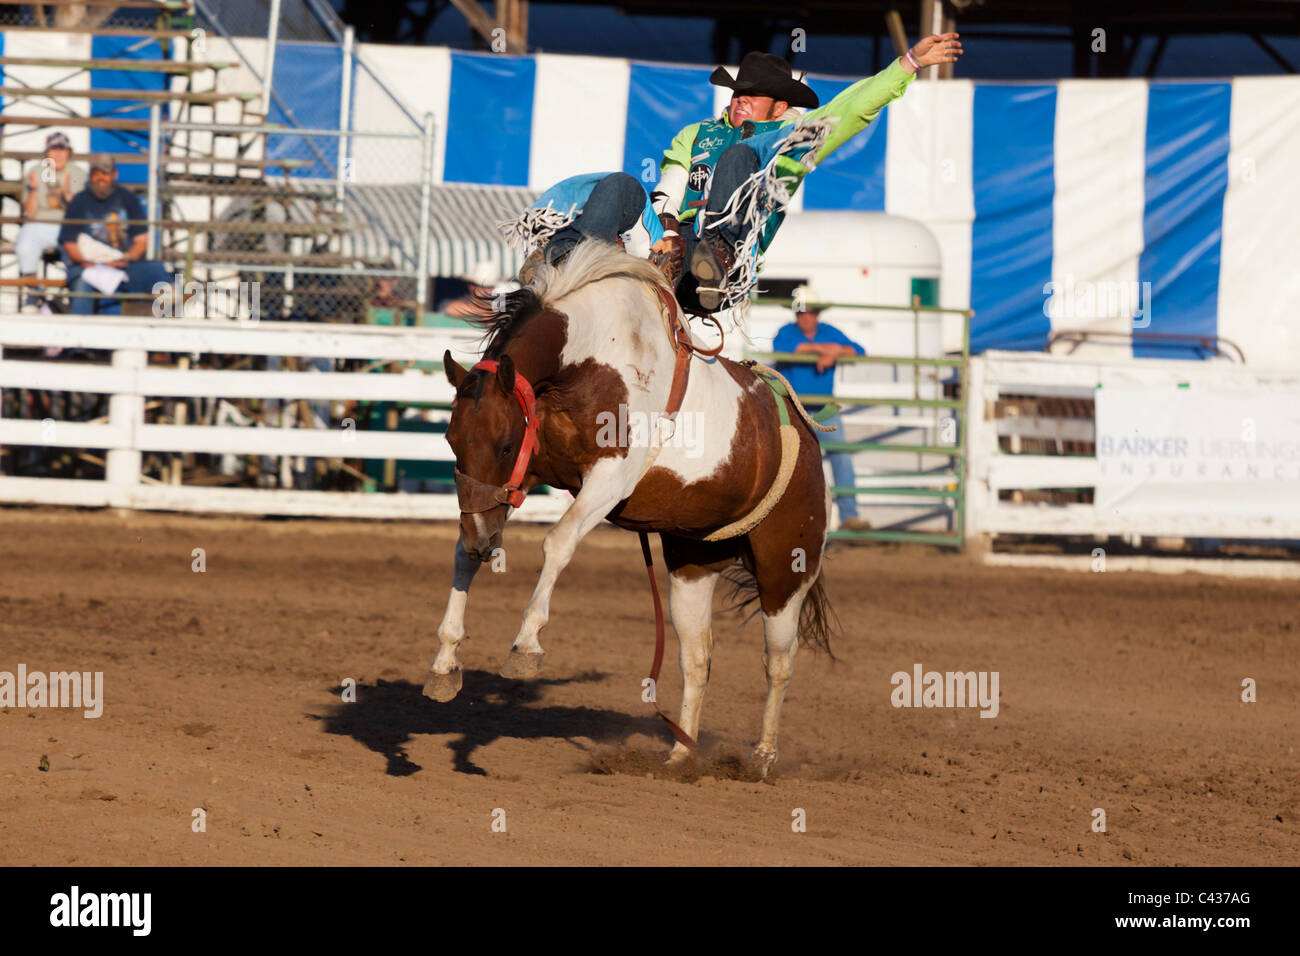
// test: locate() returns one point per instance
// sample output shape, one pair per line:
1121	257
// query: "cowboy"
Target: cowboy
710	163
722	155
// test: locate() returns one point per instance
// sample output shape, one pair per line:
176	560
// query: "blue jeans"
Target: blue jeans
841	468
141	276
33	239
613	206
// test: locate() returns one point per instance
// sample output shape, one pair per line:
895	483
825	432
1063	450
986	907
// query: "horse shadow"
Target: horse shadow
387	714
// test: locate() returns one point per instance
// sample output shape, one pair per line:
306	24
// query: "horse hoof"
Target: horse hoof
443	687
764	759
679	756
521	666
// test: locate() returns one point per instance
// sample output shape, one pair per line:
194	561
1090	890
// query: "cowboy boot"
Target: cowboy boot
553	253
529	269
710	264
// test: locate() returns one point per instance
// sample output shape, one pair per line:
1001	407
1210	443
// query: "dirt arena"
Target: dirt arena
222	692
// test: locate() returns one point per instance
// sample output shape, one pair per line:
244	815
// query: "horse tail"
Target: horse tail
818	622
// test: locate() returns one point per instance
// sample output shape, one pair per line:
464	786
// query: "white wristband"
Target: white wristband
912	60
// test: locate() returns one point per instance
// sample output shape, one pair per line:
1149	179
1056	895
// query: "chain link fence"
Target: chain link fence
328	228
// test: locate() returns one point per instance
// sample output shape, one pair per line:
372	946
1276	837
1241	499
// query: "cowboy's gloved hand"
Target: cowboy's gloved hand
672	240
936	49
670	244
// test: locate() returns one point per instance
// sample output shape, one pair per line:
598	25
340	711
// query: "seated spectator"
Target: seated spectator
115	236
48	187
384	296
807	334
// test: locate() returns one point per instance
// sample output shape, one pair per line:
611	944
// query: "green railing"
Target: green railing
951	495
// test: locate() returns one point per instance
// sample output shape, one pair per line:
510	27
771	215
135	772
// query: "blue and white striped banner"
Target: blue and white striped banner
1106	205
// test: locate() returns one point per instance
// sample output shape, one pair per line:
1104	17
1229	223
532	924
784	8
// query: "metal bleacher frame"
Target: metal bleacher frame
173	23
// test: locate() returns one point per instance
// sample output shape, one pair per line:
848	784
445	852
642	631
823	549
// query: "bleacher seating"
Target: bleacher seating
222	200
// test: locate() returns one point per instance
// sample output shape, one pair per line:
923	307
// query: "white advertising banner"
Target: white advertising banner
1180	450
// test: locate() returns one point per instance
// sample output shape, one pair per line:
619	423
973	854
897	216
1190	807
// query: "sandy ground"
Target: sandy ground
223	692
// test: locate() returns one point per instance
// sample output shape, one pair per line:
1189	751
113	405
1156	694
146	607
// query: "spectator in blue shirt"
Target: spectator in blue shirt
114	216
807	334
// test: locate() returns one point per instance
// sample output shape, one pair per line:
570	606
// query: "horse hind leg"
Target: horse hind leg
691	608
781	643
694	568
787	563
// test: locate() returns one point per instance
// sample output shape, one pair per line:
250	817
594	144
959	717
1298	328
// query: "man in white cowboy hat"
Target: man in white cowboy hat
48	186
482	281
808	334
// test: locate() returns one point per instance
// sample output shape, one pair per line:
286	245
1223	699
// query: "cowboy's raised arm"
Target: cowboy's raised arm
856	107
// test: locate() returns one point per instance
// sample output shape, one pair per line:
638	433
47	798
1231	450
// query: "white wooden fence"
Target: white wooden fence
129	380
992	470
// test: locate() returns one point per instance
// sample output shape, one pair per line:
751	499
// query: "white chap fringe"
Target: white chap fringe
767	192
535	226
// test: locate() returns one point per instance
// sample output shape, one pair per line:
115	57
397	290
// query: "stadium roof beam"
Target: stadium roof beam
861	16
1274	55
511	20
753	24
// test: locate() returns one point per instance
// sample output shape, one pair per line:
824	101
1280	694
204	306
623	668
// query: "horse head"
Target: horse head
493	433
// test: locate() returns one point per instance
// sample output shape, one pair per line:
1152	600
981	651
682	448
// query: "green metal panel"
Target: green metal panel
925	293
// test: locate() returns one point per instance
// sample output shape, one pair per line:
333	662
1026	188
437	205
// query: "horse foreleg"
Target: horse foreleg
444	679
603	488
690	603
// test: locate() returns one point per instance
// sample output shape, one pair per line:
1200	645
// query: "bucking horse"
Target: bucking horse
597	341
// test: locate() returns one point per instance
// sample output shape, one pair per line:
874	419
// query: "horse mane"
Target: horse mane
590	261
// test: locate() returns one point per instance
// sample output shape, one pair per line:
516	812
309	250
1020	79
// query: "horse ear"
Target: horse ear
506	374
455	371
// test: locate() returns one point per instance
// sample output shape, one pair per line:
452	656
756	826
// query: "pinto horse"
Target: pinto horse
571	352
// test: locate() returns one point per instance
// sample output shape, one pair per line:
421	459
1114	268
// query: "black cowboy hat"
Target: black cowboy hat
766	74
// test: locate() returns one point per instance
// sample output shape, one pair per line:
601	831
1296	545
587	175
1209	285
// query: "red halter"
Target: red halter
475	495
